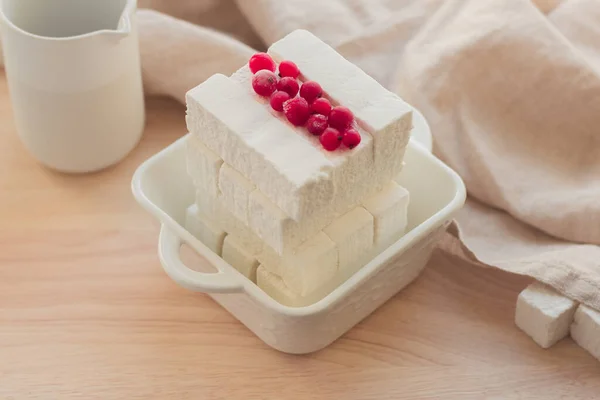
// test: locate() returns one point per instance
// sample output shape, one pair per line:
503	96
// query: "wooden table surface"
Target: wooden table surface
86	311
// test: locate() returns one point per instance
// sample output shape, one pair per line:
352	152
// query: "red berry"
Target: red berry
261	61
277	100
340	118
264	83
289	85
296	111
351	138
288	68
331	139
316	124
311	91
321	106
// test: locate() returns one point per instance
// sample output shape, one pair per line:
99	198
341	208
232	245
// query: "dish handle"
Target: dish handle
223	281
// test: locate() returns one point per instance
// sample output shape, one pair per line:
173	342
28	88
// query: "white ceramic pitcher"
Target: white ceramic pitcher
74	77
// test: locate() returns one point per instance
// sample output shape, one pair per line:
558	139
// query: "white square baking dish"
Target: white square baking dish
162	186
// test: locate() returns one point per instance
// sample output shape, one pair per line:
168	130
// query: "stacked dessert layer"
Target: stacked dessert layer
295	200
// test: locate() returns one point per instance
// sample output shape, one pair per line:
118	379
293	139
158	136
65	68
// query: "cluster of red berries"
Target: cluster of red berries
333	125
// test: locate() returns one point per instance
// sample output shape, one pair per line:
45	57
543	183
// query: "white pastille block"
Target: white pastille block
306	269
273	226
235	190
380	112
544	314
352	234
283	164
585	330
212	210
274	286
389	208
270	260
239	258
311	265
209	233
203	165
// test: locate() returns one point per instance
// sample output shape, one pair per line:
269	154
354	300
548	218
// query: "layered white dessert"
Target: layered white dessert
294	159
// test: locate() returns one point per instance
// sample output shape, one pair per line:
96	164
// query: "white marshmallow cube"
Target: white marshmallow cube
277	229
585	330
203	165
389	208
352	234
274	286
311	265
209	233
239	258
544	314
234	192
306	269
213	211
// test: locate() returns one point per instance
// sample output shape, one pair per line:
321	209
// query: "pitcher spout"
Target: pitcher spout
63	20
125	21
124	27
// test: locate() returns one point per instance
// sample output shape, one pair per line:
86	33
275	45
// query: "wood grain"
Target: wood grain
86	311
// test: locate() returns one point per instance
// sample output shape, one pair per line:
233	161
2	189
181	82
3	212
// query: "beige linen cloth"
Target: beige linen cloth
511	89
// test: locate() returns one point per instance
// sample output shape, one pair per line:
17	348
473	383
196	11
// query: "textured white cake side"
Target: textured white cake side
544	314
585	330
203	165
235	191
389	208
